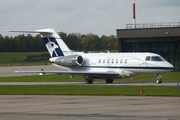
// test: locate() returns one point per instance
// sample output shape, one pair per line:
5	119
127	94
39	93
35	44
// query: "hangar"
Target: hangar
162	38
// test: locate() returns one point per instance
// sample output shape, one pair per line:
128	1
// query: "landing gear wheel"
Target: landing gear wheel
109	80
89	80
158	79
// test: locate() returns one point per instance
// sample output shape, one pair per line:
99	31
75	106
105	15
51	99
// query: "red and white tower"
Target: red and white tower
134	14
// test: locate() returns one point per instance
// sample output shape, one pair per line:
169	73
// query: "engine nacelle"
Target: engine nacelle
70	61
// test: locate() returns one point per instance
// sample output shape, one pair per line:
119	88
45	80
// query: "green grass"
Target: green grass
88	90
42	78
18	59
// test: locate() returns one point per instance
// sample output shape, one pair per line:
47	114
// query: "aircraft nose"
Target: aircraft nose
171	67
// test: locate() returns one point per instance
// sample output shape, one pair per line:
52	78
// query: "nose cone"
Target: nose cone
170	67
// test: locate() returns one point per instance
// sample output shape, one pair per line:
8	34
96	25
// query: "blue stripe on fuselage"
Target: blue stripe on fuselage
131	67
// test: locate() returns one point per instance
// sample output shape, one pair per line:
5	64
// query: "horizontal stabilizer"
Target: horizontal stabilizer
33	31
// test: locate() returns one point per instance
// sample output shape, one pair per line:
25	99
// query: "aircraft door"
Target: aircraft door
143	65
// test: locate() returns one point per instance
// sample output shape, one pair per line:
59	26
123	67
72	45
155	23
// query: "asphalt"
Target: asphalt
43	107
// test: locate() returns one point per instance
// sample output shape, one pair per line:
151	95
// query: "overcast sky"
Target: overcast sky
100	17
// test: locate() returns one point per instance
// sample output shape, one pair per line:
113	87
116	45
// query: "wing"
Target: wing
108	73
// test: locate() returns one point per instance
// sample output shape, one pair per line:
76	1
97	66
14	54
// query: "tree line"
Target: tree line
75	41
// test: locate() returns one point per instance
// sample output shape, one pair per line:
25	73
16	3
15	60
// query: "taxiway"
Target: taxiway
41	107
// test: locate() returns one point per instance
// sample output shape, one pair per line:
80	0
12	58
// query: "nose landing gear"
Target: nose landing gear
158	79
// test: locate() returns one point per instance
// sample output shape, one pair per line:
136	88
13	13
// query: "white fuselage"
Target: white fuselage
126	64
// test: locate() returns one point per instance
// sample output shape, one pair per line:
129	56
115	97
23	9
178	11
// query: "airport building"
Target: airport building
162	38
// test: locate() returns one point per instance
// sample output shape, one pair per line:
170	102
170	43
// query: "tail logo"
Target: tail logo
53	46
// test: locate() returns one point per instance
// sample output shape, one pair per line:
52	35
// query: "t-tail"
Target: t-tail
52	41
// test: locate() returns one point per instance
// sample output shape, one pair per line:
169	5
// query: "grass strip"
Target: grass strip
89	90
42	78
18	59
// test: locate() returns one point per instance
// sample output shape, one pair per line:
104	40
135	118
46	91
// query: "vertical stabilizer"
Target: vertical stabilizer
52	41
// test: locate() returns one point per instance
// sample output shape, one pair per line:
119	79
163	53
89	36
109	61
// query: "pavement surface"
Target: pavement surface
44	107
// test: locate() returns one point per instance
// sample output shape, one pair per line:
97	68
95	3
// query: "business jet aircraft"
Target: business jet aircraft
108	66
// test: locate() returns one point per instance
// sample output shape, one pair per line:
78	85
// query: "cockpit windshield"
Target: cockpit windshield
154	58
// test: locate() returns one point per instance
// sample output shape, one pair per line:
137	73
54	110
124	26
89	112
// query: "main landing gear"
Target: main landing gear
158	79
109	80
89	80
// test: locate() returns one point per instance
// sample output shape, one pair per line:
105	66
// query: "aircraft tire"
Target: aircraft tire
89	81
158	81
109	80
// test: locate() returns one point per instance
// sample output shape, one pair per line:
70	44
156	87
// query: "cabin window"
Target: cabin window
125	60
112	61
116	60
104	61
121	60
99	60
108	60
